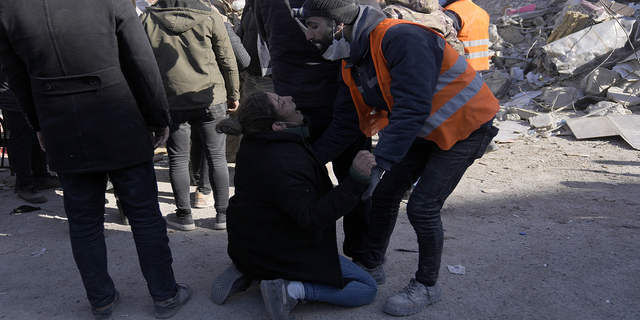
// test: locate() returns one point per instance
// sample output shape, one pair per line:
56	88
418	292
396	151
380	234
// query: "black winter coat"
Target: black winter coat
84	74
281	220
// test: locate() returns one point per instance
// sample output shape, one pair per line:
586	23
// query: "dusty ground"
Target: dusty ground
545	228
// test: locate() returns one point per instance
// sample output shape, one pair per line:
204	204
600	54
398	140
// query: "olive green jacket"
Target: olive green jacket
194	54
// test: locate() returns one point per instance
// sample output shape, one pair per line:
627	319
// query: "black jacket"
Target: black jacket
281	220
84	74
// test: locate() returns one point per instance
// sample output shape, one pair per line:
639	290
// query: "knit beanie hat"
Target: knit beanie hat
342	11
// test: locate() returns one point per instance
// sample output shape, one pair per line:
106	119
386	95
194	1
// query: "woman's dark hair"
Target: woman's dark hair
255	115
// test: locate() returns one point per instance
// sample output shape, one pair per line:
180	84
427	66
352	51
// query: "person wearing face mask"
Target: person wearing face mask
281	220
434	116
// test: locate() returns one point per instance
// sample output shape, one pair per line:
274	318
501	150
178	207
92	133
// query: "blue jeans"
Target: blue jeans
138	196
440	172
178	146
360	291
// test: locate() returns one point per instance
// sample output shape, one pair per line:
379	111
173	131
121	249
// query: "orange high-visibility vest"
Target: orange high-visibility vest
474	32
462	103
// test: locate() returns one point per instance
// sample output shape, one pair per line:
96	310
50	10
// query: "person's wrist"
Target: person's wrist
359	176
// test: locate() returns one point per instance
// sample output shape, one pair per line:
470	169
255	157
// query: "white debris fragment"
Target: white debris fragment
457	269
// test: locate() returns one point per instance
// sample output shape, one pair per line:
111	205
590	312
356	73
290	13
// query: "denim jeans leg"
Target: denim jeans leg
84	206
385	202
360	291
138	195
215	151
441	175
178	146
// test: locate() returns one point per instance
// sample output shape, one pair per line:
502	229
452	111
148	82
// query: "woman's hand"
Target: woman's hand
363	162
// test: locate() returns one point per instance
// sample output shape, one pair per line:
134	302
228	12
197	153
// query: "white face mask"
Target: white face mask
338	49
142	4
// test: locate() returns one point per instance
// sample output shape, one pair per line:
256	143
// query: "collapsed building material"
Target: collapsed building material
604	108
568	53
626	99
557	97
599	80
628	127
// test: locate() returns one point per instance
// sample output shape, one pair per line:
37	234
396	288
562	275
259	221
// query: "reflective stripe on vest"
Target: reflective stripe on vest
461	104
474	32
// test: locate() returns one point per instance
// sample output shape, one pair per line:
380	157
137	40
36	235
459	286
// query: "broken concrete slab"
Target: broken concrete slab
510	130
523	113
626	99
544	121
599	80
511	34
558	97
497	80
522	99
604	108
628	127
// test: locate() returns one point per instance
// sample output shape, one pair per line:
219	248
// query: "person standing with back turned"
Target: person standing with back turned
84	75
472	24
200	76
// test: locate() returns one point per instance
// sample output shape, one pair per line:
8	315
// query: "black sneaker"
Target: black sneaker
181	220
49	182
30	194
229	283
221	221
377	273
169	308
106	313
277	299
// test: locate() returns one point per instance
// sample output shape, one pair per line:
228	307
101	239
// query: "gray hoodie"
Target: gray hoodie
194	54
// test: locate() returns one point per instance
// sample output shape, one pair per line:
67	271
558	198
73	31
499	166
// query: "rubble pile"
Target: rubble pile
558	63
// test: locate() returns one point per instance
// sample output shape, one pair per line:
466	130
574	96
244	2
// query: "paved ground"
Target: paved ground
544	228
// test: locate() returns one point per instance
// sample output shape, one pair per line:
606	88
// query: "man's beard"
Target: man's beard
326	41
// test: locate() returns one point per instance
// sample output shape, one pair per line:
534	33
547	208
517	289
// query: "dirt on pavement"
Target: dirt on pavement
544	228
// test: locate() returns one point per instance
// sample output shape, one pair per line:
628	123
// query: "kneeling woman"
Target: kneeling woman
281	220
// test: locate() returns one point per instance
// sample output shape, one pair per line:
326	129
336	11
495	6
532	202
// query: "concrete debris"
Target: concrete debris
561	60
625	98
599	80
557	97
511	34
604	108
543	122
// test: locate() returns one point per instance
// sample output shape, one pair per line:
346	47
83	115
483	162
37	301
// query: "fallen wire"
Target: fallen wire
24	244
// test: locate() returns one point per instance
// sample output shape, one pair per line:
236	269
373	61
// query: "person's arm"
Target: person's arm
225	58
414	59
242	56
18	80
293	189
457	22
343	130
